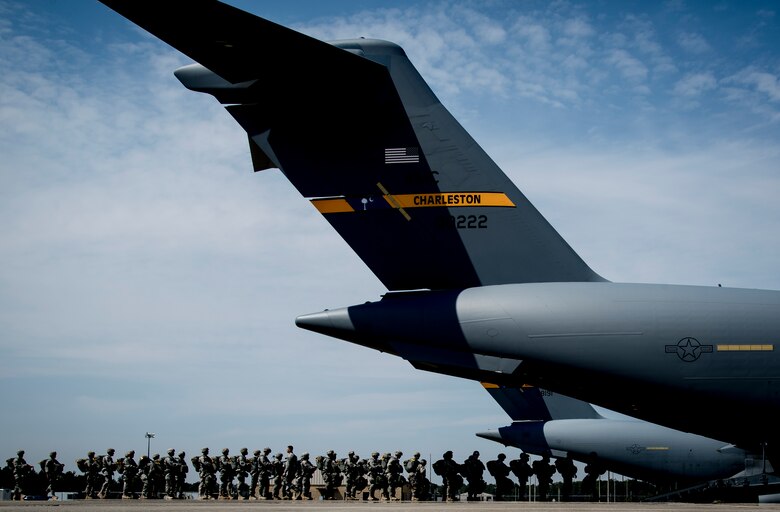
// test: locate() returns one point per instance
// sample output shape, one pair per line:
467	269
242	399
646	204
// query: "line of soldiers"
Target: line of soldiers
51	468
158	475
289	478
472	469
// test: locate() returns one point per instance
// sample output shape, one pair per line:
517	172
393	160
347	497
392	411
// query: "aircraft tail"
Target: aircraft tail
359	133
530	403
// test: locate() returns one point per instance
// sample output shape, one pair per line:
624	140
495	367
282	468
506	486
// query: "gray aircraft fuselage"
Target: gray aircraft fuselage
697	359
635	449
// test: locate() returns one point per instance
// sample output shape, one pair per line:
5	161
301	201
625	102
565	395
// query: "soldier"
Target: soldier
129	471
170	466
290	475
277	472
350	470
146	472
473	470
500	471
181	475
107	468
52	469
394	473
361	481
254	473
523	471
21	472
207	469
359	469
411	471
264	478
449	471
544	472
158	475
567	470
91	469
593	470
331	475
226	474
377	475
242	465
305	473
422	484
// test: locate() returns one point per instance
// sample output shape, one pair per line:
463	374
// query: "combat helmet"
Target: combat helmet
257	452
204	451
171	451
225	451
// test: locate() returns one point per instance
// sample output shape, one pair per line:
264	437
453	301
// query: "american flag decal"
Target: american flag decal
402	155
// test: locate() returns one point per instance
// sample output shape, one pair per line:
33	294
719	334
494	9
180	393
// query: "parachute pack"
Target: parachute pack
439	467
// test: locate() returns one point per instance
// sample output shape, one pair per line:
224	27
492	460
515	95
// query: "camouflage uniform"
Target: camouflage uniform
254	474
207	469
21	471
129	471
264	478
53	470
278	473
91	469
350	470
107	468
331	473
305	472
290	489
242	466
181	475
171	469
146	472
394	473
422	484
226	475
376	472
411	471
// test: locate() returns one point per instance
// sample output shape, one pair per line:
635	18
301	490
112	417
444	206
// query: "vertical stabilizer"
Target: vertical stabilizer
528	403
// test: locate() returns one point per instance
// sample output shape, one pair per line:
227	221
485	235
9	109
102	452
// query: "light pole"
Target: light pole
149	436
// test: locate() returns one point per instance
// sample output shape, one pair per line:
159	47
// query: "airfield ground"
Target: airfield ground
320	506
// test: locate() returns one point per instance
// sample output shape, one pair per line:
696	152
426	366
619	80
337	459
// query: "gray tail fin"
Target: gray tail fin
529	403
359	133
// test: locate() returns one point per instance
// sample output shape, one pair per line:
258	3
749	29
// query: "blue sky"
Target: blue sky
149	280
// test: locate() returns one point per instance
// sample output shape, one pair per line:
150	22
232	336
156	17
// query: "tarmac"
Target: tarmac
320	506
